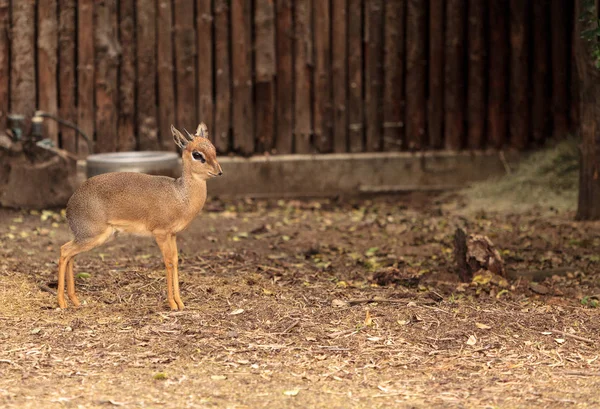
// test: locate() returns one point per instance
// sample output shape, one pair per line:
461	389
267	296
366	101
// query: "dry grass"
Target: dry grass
268	324
546	179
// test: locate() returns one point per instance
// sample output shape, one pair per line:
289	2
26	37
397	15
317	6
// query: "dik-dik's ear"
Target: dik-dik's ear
178	138
202	130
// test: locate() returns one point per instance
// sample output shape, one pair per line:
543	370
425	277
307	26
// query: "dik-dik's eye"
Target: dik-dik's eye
198	156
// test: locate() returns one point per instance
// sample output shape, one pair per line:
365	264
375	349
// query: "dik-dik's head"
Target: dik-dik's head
198	153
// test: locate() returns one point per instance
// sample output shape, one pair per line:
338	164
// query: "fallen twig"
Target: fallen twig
577	337
47	289
581	373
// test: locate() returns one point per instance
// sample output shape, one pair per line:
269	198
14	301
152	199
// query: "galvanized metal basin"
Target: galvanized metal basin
150	162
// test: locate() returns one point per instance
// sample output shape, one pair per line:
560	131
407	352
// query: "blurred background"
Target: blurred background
286	77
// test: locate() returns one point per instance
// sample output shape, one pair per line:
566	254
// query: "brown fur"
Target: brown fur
140	204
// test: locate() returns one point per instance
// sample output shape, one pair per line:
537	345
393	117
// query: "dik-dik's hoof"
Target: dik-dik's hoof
180	305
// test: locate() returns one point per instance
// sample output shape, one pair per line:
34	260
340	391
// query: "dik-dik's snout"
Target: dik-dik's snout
218	170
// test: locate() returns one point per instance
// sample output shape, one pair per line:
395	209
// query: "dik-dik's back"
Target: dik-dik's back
133	202
140	204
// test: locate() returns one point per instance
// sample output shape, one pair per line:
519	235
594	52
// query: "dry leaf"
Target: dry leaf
472	340
560	340
218	377
339	303
368	319
291	392
482	326
236	312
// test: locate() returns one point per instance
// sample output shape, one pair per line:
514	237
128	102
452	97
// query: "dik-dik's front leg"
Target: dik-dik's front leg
168	247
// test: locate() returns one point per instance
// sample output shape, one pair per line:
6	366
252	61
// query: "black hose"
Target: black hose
70	125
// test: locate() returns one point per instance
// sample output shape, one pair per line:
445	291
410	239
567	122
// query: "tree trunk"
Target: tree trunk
589	75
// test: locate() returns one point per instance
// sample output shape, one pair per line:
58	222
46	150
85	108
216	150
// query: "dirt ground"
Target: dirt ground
277	312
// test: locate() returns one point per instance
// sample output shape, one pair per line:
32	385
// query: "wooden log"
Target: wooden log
356	129
476	96
107	60
222	77
241	61
185	64
519	122
393	91
435	108
67	37
147	124
23	88
285	74
416	74
339	80
302	69
374	72
4	61
541	58
322	81
47	53
85	72
166	86
204	42
264	60
498	74
559	34
126	133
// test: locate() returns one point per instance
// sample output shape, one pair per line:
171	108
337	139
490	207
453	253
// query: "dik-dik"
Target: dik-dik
137	203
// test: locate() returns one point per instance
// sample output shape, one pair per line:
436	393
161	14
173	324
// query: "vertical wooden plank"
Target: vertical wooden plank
454	79
85	72
185	65
559	23
498	73
476	112
302	69
4	61
339	69
322	80
241	61
22	75
355	77
416	74
126	129
107	61
264	32
166	86
204	42
435	108
146	75
574	81
47	53
519	74
393	91
540	77
285	86
373	72
222	77
66	71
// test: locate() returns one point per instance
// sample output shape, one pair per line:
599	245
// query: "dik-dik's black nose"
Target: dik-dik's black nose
220	172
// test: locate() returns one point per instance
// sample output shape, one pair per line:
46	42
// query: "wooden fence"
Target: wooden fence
287	76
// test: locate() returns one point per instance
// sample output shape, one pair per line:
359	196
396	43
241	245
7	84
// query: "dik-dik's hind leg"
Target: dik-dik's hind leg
67	252
71	283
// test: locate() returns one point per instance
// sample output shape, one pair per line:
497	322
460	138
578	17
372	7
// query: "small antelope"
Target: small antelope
140	204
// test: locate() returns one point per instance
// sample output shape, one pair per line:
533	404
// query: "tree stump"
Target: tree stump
35	178
474	253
